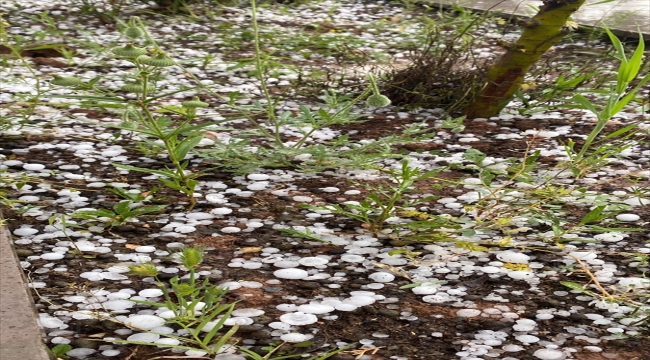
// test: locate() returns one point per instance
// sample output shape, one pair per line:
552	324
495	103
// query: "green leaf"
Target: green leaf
93	214
186	145
593	216
475	156
61	349
166	172
146	210
87	97
208	338
122	207
585	103
578	287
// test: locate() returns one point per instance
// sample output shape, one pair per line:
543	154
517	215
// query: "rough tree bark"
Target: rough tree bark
503	78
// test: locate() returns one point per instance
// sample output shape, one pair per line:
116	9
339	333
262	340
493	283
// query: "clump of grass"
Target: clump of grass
443	70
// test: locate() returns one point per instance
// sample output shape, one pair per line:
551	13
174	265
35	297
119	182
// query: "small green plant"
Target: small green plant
10	182
24	106
60	350
196	306
61	222
634	295
178	134
433	78
384	201
265	144
617	97
121	213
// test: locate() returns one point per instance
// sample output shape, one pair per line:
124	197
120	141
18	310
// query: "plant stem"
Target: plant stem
270	103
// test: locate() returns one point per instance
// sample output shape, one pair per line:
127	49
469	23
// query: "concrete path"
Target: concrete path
21	338
625	17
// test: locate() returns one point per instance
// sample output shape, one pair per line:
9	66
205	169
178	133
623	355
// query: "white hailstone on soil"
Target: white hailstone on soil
394	261
352	258
584	255
52	256
238	320
513	257
29	198
544	316
92	276
254	224
144	322
150	293
167	341
199	216
84	246
521	275
118	305
195	353
167	314
286	264
524	325
512	348
610	237
527	339
229	357
184	229
437	298
468	313
34	167
359	300
216	199
291	273
315	308
247	312
144	337
304	199
425	289
145	249
230	230
256	186
549	354
49	322
382	277
110	352
628	217
295	337
80	352
279	325
330	189
298	318
632	282
258	177
25	231
312	261
345	307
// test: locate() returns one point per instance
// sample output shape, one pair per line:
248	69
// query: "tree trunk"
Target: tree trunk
503	79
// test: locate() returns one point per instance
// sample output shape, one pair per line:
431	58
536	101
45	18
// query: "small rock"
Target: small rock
22	253
259	335
309	285
85	343
272	289
389	313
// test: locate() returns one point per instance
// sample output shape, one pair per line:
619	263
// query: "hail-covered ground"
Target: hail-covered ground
472	268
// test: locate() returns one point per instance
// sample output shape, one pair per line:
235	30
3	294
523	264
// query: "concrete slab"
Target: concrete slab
21	338
624	17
